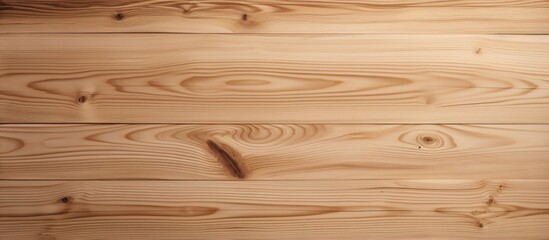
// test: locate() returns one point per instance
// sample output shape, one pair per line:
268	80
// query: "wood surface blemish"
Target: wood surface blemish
229	158
66	199
490	200
430	140
119	16
82	99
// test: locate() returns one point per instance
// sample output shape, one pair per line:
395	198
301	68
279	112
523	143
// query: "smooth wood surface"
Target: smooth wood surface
275	16
278	151
274	79
274	119
274	209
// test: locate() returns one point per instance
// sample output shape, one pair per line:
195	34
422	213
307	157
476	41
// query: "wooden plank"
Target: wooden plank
275	16
268	79
284	152
239	225
463	209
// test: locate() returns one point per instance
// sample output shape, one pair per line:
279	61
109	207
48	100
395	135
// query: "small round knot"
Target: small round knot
119	16
65	199
490	200
82	99
430	140
244	17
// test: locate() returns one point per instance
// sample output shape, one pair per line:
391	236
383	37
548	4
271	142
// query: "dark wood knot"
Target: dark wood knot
119	16
428	140
229	159
490	200
65	199
82	99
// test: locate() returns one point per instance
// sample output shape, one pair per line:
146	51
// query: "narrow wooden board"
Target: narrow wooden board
207	152
275	16
274	79
459	209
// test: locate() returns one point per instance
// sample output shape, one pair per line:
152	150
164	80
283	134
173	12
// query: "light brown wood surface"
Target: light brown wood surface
283	152
274	119
275	16
264	79
458	209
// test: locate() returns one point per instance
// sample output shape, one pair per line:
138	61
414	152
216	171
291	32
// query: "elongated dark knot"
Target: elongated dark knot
228	158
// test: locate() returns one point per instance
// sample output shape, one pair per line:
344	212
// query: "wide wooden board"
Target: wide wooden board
274	79
449	209
275	16
277	151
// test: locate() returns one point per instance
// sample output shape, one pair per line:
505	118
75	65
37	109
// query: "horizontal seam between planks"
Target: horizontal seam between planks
258	123
271	33
270	180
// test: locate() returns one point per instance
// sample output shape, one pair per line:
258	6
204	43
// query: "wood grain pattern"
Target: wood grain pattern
460	209
274	119
269	79
307	151
275	16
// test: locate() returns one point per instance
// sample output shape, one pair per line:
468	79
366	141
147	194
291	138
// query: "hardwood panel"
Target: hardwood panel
503	209
275	16
266	79
307	151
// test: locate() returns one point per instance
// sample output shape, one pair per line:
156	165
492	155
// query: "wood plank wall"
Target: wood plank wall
274	119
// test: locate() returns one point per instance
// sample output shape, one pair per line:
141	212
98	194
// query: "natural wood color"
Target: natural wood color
460	209
306	151
265	79
274	119
275	16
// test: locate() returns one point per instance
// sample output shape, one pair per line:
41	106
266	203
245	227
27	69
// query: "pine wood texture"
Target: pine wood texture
276	151
201	78
274	119
275	16
461	209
